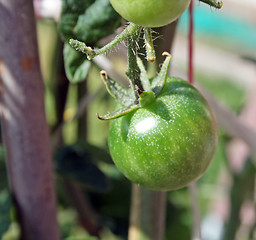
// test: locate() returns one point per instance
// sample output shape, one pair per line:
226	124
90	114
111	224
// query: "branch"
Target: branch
147	218
87	216
196	234
24	124
130	31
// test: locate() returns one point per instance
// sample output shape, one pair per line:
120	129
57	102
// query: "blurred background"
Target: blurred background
93	196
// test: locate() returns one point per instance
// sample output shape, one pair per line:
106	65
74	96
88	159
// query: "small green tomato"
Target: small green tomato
168	143
150	13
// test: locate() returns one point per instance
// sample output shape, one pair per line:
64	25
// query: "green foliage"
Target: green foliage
77	164
5	209
3	175
87	21
99	20
178	212
98	154
85	238
232	95
76	66
5	198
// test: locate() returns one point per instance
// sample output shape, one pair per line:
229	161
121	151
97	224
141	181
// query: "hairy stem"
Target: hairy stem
213	3
130	31
133	71
150	51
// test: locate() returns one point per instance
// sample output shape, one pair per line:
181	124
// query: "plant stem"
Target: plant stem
146	212
87	216
140	225
150	51
60	91
196	234
130	31
164	44
213	3
133	71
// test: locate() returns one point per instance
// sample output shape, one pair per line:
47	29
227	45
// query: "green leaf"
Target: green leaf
5	212
99	21
71	10
76	65
123	95
98	154
87	20
74	163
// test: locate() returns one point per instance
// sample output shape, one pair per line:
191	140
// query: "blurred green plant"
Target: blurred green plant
85	238
77	164
5	198
5	211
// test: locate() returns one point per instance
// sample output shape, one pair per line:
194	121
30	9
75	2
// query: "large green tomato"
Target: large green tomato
167	144
150	13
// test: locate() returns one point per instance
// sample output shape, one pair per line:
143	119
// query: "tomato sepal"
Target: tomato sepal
131	99
143	76
119	112
125	96
160	80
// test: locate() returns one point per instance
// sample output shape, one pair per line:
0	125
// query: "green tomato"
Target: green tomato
150	13
167	144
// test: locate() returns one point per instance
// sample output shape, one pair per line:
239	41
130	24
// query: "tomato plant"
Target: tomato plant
168	143
163	134
150	13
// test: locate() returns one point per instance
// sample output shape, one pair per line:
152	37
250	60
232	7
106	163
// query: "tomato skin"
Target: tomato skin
150	13
167	144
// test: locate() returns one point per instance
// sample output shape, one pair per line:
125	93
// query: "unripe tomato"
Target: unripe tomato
168	143
150	13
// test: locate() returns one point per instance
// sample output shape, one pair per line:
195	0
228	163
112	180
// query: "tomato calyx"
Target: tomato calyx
146	98
131	99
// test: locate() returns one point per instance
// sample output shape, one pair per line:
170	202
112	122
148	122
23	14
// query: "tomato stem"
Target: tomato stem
213	3
150	51
128	32
133	70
